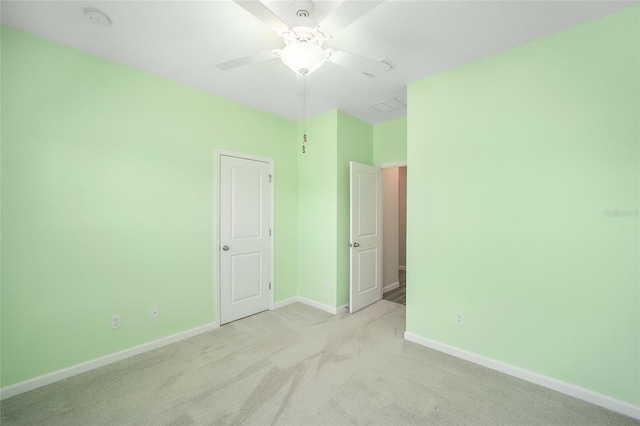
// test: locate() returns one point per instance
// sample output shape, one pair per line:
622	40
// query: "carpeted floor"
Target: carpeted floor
300	366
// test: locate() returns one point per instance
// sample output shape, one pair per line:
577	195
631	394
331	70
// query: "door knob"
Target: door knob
225	248
356	244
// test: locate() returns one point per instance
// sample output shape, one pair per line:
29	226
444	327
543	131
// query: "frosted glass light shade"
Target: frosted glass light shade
302	56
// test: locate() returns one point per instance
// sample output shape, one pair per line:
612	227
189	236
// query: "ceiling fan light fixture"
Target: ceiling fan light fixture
303	58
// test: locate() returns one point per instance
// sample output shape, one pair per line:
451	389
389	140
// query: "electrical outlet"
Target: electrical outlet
460	318
326	284
116	321
154	312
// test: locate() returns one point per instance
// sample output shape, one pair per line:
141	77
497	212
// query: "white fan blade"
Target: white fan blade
356	62
267	55
302	85
345	14
263	13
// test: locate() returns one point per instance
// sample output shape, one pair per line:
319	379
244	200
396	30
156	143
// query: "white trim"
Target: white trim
272	233
343	309
390	287
318	305
539	379
402	267
65	373
216	212
393	164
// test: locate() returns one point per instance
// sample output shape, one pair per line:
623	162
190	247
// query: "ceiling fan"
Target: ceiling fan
303	38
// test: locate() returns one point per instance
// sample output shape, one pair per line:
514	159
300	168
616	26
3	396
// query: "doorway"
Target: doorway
394	232
245	243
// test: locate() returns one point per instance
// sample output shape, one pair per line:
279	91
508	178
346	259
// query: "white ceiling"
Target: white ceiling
183	40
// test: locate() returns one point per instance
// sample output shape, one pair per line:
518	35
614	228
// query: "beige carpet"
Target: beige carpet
300	366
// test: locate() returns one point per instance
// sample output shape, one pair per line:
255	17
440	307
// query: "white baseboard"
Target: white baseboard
327	308
390	287
402	268
539	379
65	373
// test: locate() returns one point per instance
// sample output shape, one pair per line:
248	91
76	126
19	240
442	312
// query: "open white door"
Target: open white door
366	236
244	237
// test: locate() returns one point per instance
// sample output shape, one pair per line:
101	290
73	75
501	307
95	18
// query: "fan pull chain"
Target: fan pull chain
304	117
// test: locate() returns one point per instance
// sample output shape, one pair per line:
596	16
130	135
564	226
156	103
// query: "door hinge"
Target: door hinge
270	176
269	286
269	231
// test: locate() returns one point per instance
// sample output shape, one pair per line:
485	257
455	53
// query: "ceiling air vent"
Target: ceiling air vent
388	63
389	105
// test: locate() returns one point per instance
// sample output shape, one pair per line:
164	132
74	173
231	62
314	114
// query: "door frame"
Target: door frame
391	165
219	153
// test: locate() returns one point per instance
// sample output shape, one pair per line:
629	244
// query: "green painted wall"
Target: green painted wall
334	139
317	217
355	139
526	154
108	203
390	141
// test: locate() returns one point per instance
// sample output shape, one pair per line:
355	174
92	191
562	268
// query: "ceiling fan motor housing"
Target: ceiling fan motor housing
303	35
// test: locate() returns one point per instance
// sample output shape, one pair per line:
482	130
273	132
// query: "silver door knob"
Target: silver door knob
350	245
356	244
225	248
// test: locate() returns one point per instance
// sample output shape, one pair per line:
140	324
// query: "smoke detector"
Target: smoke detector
97	17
